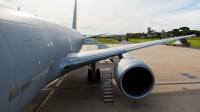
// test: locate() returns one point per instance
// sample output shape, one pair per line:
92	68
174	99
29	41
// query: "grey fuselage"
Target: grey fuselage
31	52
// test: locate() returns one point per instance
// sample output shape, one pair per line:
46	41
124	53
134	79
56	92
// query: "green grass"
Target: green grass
141	40
112	40
109	40
194	41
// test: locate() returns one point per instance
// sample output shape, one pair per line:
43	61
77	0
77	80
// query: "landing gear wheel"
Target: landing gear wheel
89	74
112	60
97	74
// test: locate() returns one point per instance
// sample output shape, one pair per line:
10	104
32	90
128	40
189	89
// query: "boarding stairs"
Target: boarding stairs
107	86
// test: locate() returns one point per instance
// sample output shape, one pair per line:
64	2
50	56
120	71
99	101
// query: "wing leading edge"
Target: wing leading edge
84	58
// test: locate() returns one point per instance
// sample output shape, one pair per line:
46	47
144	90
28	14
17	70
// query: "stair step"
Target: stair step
107	83
108	96
104	73
107	92
107	100
107	86
107	89
107	75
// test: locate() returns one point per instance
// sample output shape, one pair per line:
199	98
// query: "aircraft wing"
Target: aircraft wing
94	35
84	58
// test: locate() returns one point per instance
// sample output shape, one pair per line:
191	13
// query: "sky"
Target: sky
115	16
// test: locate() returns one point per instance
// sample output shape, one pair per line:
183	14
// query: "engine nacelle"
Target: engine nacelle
134	77
182	43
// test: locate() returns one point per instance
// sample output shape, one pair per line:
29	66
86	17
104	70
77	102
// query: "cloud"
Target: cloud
115	16
198	5
89	28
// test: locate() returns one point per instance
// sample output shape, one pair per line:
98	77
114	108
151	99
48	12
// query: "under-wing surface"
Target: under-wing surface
35	52
182	43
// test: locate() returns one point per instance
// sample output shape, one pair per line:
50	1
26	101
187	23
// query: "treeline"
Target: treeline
135	35
182	31
154	34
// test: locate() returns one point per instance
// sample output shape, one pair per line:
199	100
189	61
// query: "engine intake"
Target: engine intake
134	78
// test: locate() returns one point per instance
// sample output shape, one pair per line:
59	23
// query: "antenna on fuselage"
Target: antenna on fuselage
74	19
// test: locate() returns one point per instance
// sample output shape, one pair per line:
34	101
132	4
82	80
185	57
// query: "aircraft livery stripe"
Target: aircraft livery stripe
14	91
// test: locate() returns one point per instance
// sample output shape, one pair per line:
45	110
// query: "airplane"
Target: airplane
182	43
34	52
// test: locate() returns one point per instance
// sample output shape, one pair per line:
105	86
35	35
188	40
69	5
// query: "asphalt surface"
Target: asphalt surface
177	88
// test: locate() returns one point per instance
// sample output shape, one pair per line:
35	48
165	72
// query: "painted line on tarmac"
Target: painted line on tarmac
177	83
49	95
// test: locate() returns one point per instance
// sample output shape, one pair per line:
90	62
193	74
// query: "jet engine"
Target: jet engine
182	43
134	77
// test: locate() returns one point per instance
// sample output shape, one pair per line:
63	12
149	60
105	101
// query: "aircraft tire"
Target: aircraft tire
97	74
89	74
112	60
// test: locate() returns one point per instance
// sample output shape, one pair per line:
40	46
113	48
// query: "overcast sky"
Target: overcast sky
115	16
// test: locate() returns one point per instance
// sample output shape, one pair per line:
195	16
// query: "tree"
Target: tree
191	32
127	36
131	34
184	30
197	33
175	32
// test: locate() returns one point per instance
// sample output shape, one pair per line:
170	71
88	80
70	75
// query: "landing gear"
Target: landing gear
89	74
93	72
112	60
97	73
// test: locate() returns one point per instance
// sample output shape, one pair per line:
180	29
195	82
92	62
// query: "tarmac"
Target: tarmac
177	88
